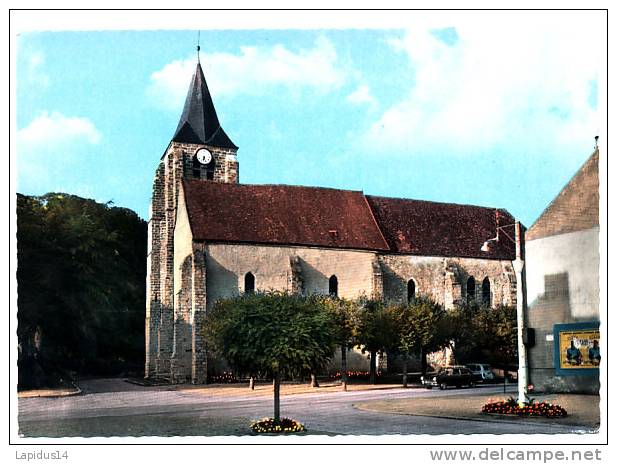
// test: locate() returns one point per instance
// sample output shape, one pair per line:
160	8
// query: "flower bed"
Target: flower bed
225	377
364	375
531	408
269	425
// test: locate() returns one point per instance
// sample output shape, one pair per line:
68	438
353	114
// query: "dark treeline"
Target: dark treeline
81	289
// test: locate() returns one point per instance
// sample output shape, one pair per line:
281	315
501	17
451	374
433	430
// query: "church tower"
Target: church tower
199	149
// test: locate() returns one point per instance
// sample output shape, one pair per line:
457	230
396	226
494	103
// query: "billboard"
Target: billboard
577	348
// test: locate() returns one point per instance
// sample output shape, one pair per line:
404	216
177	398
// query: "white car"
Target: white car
481	372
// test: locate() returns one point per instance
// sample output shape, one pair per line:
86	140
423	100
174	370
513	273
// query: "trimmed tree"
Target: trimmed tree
420	329
344	314
274	333
461	327
498	335
377	330
482	333
406	341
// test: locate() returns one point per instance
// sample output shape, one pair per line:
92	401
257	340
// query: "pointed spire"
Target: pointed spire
199	123
198	47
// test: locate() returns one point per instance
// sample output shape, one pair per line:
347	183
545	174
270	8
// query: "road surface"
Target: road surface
112	407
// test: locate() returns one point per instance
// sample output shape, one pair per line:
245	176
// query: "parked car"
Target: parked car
481	372
452	376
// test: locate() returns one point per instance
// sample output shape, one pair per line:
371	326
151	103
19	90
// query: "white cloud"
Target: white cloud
55	131
361	95
254	70
52	148
36	76
274	131
501	79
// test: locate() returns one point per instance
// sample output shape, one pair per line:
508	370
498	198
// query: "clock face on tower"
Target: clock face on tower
203	156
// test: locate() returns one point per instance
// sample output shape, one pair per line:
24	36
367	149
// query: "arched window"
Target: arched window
333	286
471	290
411	291
249	283
486	291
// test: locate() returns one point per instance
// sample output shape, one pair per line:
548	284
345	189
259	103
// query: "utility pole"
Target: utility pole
519	266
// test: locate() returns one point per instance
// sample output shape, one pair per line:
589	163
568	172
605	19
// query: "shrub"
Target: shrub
364	375
270	425
531	408
225	377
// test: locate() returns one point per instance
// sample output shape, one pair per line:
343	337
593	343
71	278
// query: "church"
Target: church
210	237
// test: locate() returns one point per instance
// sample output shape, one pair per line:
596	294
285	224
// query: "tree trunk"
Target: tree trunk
423	360
505	379
344	366
373	376
314	382
252	383
405	371
277	397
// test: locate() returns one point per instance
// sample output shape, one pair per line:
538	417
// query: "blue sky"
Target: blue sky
500	114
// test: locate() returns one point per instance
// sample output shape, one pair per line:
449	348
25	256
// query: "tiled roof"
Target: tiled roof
575	208
442	229
281	214
323	217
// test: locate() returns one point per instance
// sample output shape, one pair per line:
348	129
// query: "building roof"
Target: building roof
576	207
199	122
323	217
442	229
281	214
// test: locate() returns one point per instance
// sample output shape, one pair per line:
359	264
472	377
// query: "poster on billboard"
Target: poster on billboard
577	348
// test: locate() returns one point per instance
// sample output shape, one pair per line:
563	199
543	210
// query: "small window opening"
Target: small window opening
249	283
333	286
471	290
411	291
486	291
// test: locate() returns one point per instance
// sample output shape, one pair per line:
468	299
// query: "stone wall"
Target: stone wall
153	275
445	279
183	295
224	166
287	268
308	270
164	312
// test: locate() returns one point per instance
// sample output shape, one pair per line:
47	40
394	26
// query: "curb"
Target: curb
59	394
497	419
143	383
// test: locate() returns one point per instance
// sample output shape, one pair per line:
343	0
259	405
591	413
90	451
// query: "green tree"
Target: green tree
345	315
274	333
482	333
376	329
461	330
81	287
496	335
420	330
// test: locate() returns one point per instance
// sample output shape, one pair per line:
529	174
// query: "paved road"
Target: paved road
111	407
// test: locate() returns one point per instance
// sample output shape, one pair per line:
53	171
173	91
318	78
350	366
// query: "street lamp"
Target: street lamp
519	265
